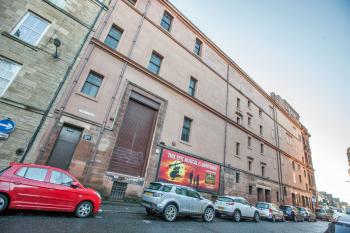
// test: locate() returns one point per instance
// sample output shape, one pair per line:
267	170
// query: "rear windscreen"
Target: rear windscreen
262	205
225	199
159	187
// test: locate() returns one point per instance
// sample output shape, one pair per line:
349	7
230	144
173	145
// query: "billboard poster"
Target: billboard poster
189	171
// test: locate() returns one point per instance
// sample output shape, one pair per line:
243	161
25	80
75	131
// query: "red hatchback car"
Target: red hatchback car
37	187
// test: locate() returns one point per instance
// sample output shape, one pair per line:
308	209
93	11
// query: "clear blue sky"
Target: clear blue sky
300	50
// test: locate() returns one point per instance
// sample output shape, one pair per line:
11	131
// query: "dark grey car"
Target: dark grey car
172	200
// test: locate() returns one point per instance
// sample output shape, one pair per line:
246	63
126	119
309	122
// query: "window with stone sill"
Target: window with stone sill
167	21
31	28
8	72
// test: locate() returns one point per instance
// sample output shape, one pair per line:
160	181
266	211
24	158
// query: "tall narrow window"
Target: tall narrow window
250	190
262	148
277	196
285	191
192	86
237	177
262	170
133	2
238	103
261	130
92	84
249	104
31	28
293	165
249	142
249	165
198	47
300	180
260	112
113	37
155	62
249	121
238	148
238	120
186	128
166	21
8	71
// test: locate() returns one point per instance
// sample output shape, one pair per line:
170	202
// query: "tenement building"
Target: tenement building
40	43
154	99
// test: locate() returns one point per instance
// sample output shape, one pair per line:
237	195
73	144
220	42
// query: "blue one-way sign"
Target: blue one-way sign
7	126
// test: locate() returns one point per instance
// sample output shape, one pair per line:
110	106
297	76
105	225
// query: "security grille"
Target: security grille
118	190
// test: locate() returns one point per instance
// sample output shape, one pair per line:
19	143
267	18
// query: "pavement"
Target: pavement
132	218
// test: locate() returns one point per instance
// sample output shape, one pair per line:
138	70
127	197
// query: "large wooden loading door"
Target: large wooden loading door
130	153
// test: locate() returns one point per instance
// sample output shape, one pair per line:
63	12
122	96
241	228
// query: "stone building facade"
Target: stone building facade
31	72
150	81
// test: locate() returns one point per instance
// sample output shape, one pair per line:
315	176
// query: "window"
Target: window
307	187
249	142
132	2
262	170
238	103
34	173
237	177
249	104
293	165
261	130
92	84
31	28
8	71
166	21
249	165
249	121
238	120
154	63
285	191
198	47
192	86
300	180
250	189
262	148
113	37
237	148
186	128
298	167
260	112
60	178
304	173
277	197
21	172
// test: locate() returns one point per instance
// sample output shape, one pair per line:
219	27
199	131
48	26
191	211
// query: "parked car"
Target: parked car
339	225
292	213
172	200
324	214
237	207
270	211
308	214
37	187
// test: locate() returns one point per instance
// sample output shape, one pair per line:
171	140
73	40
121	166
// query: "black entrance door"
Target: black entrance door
62	153
130	153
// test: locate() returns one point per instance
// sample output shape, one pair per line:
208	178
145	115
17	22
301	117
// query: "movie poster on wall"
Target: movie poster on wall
189	171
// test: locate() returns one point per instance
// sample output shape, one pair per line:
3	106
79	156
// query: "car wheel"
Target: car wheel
3	203
257	217
208	215
273	219
149	211
84	209
236	216
170	213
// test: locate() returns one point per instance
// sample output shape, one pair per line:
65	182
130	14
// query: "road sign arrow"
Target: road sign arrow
7	126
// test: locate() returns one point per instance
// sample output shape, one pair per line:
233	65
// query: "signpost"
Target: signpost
7	126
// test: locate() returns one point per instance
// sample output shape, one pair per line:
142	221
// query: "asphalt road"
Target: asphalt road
131	218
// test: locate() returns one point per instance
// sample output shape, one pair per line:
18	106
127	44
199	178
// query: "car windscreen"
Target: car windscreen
284	207
262	205
339	228
225	199
5	169
159	187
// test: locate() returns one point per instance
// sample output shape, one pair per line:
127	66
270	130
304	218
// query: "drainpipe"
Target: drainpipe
225	137
47	111
70	90
278	154
87	169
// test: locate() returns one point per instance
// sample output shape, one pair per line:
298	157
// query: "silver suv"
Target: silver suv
172	200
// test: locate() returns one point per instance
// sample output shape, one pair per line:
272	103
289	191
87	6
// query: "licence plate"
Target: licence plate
146	204
148	194
221	208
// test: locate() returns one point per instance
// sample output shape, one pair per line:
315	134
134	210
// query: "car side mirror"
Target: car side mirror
74	185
